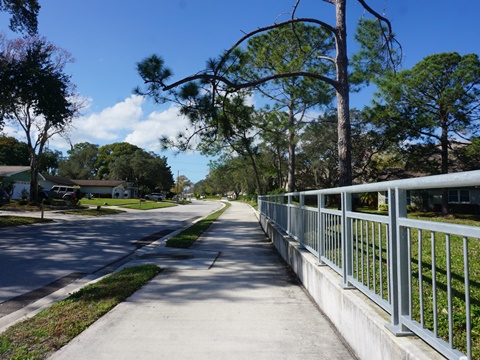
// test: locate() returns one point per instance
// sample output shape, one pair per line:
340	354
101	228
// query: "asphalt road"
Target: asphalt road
40	258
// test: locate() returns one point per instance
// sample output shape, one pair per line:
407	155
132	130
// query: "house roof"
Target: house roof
397	174
60	180
98	183
7	170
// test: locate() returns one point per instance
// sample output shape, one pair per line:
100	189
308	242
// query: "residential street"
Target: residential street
56	253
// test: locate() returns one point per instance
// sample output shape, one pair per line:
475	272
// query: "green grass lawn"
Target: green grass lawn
128	203
186	238
428	267
8	220
93	211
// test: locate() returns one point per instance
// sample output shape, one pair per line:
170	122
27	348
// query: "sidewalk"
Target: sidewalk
229	297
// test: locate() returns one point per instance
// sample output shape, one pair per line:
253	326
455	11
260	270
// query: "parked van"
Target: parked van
65	192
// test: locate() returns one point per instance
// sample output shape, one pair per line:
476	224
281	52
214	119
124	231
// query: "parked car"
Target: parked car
4	197
65	192
155	196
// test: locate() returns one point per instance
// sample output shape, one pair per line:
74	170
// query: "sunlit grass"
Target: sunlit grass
128	203
429	254
187	237
8	220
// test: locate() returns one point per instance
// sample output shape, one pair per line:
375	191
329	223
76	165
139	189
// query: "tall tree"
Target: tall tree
291	49
80	163
182	183
124	161
13	152
220	79
36	95
108	153
50	161
23	13
436	103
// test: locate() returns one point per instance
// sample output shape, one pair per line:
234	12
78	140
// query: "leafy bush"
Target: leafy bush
383	207
412	208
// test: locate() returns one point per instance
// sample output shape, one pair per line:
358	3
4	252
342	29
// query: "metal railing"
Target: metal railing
425	274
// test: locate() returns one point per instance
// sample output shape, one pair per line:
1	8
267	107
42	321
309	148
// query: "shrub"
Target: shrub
412	208
383	207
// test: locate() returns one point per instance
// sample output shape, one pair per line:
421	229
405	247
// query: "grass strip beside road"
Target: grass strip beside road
92	212
147	205
187	237
41	335
8	220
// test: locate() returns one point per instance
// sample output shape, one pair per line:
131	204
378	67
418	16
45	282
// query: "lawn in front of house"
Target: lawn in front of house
127	203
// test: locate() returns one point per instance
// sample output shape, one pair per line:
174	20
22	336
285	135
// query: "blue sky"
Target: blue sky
108	37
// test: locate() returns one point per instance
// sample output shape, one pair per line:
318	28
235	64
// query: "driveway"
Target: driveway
37	259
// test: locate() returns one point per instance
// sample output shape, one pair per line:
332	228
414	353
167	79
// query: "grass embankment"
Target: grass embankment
432	254
186	238
48	331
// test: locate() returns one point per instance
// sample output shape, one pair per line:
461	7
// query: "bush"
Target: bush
277	191
412	208
383	207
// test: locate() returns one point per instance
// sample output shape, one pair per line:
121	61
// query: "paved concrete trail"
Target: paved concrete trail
229	297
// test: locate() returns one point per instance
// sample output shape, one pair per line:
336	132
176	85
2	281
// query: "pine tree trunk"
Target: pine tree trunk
343	97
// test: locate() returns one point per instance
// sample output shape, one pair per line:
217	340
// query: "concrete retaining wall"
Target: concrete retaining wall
357	319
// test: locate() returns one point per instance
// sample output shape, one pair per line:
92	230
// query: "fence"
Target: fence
424	273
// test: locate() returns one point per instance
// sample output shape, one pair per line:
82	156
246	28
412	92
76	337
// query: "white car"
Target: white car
155	196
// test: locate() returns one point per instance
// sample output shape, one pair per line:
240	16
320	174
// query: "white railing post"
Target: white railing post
321	229
399	258
289	215
347	253
301	232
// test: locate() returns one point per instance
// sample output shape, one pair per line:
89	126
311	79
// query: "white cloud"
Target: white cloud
110	123
125	121
164	123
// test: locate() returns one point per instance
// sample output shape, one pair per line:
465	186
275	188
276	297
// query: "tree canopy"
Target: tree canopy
221	76
435	106
36	95
23	13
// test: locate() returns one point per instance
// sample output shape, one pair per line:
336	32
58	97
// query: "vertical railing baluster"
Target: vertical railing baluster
356	249
380	257
301	230
374	252
420	277
449	289
466	274
346	243
321	229
434	284
367	256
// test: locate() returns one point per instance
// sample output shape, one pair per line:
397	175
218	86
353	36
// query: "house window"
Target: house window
459	196
409	197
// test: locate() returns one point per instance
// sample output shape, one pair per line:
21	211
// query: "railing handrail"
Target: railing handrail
466	179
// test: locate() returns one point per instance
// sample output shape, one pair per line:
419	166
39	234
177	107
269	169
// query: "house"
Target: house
98	188
103	188
465	200
20	176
